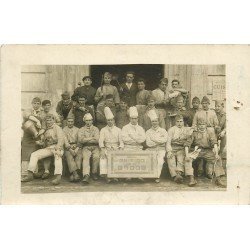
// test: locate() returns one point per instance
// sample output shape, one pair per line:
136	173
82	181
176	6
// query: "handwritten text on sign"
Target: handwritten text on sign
125	164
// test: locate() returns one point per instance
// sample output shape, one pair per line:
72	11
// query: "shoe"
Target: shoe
141	180
95	177
178	179
209	176
28	178
57	180
45	175
76	176
157	180
38	175
71	178
115	180
108	180
192	181
85	179
219	182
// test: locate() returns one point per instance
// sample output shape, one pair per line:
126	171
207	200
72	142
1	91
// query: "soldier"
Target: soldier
63	107
80	110
177	149
110	139
88	139
71	149
86	90
129	89
161	96
122	116
156	139
196	106
180	110
206	141
133	135
53	142
144	119
105	90
206	114
100	116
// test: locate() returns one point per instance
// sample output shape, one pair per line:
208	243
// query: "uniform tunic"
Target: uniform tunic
142	97
186	116
63	110
88	91
122	118
208	115
133	136
156	139
107	89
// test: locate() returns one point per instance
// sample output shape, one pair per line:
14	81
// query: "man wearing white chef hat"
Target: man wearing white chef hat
110	139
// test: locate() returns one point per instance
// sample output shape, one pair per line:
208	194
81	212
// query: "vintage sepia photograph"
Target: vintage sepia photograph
123	127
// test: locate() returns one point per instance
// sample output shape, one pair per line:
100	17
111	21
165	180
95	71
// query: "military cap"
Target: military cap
82	95
205	99
44	102
65	95
165	80
196	99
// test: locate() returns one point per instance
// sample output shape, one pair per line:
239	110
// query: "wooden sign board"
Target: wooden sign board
130	164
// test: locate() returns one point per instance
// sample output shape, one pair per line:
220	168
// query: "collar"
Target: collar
89	127
155	129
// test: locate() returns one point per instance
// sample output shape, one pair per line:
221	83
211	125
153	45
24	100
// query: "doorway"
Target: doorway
152	73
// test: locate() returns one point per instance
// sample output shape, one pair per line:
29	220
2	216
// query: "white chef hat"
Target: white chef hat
108	113
133	113
87	116
152	115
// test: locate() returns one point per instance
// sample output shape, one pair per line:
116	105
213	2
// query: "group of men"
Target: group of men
90	123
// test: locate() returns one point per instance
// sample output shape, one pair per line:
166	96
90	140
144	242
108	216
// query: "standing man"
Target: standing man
71	149
86	90
100	115
206	141
196	106
206	114
53	142
161	97
105	90
156	139
142	94
63	107
88	139
122	116
129	89
133	135
80	110
177	150
110	139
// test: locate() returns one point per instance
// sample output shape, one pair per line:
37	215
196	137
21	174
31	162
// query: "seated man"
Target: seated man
144	119
88	139
177	150
206	141
156	139
100	116
80	110
122	117
63	107
53	142
133	135
110	139
71	149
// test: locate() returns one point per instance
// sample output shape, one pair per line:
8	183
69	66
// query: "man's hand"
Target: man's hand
222	133
72	151
38	125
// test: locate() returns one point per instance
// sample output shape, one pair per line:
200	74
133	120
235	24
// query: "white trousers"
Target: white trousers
44	153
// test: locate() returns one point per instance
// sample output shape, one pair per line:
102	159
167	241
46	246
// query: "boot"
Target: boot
85	179
219	182
45	175
29	177
178	178
76	176
192	181
38	175
95	177
57	180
